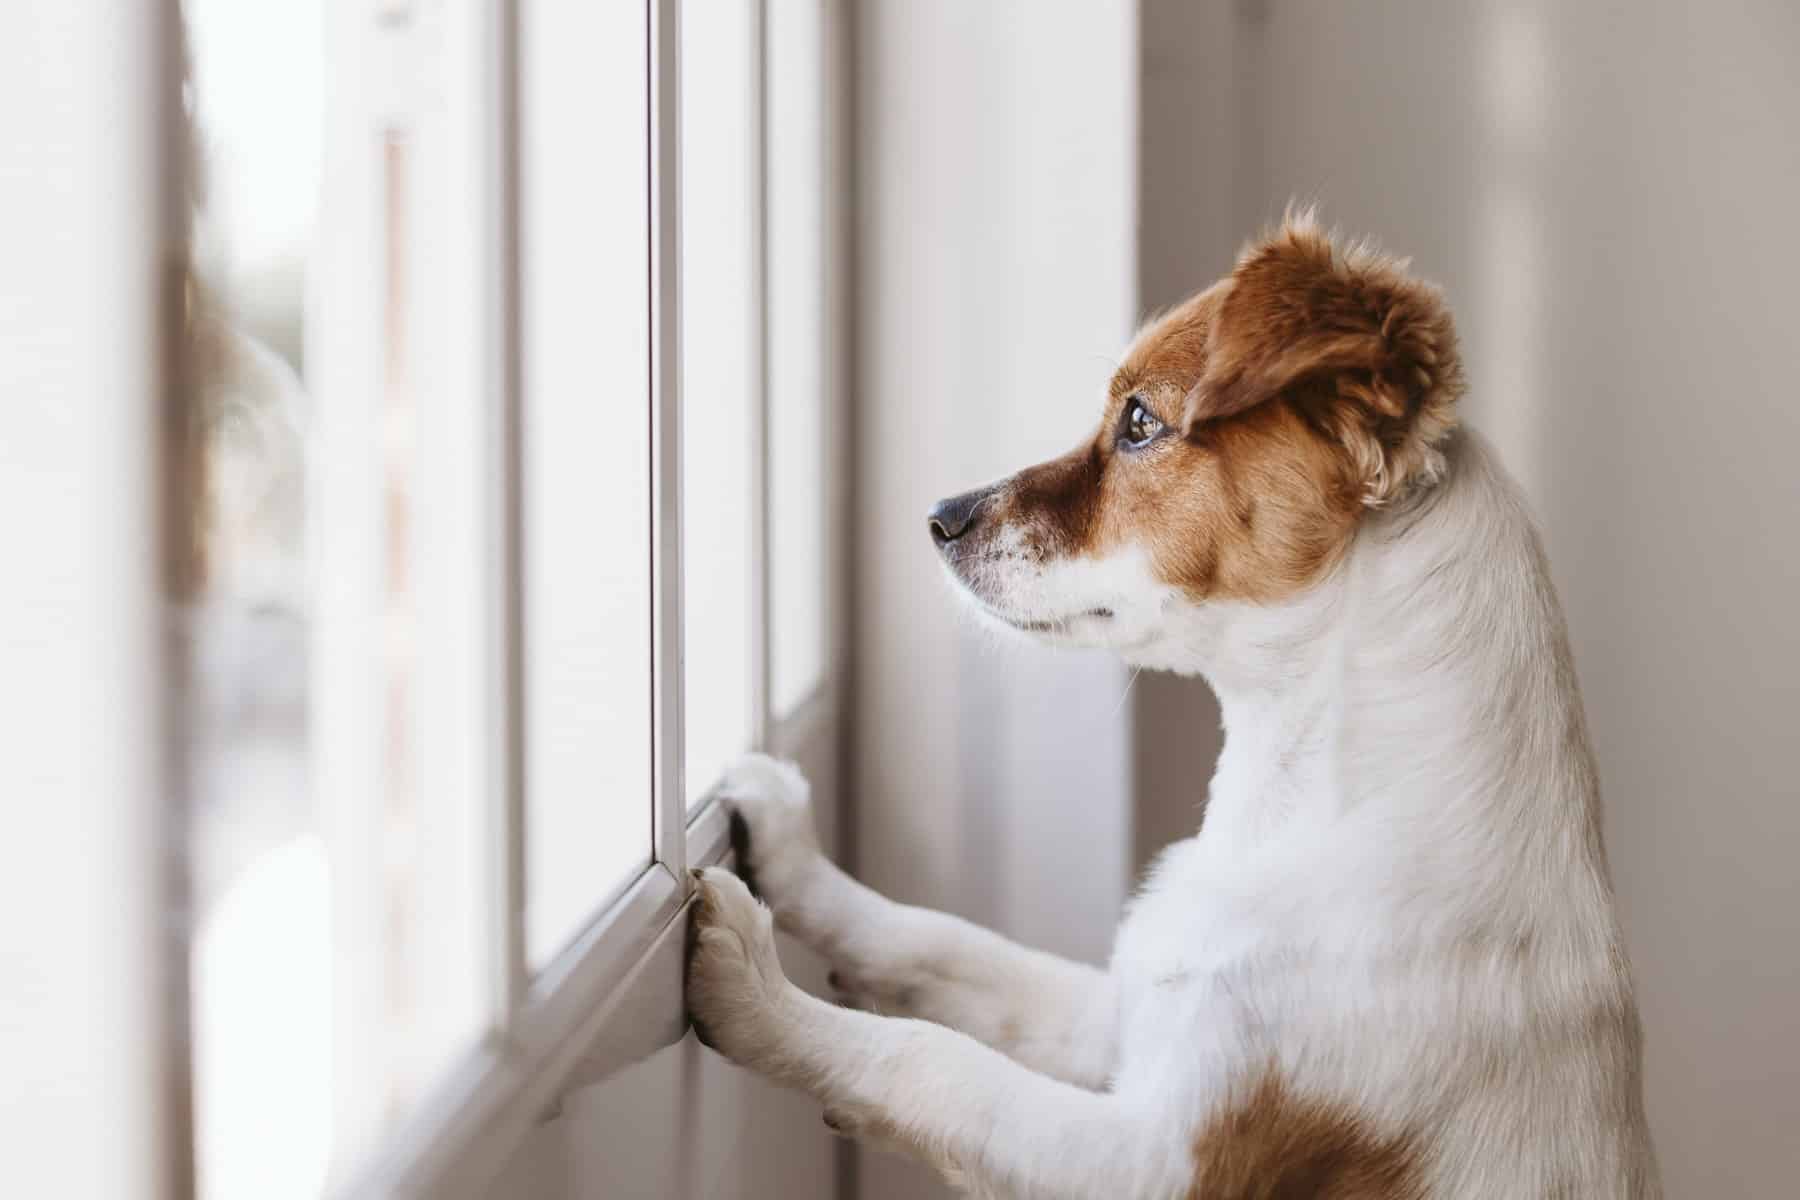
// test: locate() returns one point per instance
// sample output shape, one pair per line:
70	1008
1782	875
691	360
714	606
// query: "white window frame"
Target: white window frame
614	995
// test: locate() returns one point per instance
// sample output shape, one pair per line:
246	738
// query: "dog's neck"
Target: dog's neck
1427	681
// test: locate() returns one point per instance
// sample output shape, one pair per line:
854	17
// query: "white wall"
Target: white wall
1608	193
994	291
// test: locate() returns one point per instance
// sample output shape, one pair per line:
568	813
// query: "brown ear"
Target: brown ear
1369	352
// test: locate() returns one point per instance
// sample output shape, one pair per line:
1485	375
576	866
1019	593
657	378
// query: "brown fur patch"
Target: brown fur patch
1273	1145
1254	509
1368	351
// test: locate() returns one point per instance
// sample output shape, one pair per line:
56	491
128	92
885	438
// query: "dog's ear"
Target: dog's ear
1367	352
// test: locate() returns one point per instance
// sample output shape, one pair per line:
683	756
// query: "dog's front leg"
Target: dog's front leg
988	1123
1054	1016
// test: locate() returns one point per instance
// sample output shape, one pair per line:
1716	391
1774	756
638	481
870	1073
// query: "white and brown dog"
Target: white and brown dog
1388	965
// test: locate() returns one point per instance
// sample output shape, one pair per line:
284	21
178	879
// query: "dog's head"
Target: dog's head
1243	437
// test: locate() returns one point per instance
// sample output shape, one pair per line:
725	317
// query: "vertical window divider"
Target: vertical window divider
506	901
669	819
174	469
761	720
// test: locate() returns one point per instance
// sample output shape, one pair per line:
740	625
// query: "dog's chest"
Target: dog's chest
1206	907
1214	961
1182	957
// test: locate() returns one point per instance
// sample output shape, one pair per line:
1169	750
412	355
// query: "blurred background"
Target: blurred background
917	234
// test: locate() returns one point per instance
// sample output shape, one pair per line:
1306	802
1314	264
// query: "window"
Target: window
722	387
339	632
507	495
752	373
584	316
799	534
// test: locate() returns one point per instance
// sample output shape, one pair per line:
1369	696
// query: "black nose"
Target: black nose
952	518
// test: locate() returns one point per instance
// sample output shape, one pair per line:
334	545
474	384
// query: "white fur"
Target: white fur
1399	899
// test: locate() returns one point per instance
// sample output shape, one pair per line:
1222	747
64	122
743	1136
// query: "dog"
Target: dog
1388	966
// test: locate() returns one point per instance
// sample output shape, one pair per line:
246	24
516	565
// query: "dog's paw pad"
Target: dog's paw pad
736	991
771	820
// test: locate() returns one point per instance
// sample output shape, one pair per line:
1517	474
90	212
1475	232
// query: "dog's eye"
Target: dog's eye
1137	427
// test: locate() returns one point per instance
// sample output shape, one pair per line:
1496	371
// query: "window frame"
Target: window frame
613	995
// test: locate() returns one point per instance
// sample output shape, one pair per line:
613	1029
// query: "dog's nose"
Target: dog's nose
952	518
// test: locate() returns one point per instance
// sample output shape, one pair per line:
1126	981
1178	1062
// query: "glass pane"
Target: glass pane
720	384
586	449
262	935
335	612
796	274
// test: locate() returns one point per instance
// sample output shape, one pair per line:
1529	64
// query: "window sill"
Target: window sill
612	998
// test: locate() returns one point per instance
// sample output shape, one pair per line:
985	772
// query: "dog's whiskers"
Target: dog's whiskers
1123	696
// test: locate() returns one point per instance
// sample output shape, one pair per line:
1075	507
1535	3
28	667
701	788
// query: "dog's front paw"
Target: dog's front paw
772	825
737	996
